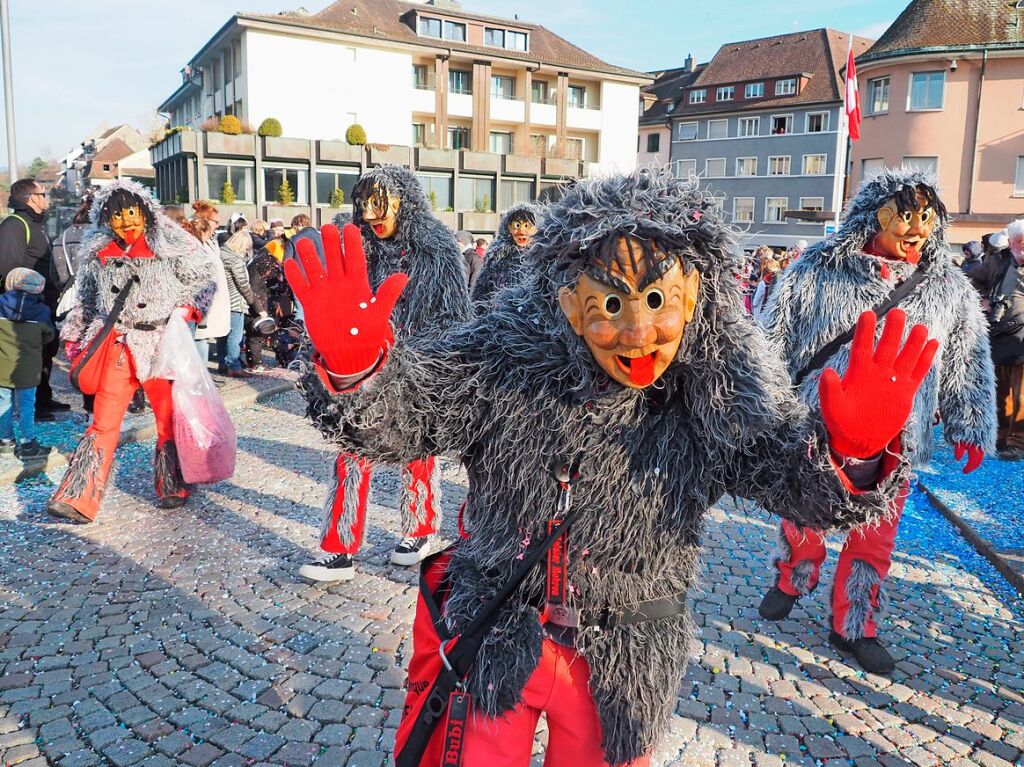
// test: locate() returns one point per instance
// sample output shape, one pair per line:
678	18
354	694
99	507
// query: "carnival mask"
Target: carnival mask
904	232
633	327
128	223
522	232
381	212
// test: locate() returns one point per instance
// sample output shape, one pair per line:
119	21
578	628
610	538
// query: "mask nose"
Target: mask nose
638	335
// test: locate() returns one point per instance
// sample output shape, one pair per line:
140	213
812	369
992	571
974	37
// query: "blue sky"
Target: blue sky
79	63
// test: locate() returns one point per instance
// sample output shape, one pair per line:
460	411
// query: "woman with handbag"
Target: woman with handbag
137	268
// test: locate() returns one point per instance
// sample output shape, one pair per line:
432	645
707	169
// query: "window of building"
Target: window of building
753	90
926	90
714	167
653	142
455	31
686	131
1018	179
460	81
577	96
719	198
419	134
725	93
240	176
539	92
298	180
698	96
430	27
746	166
785	87
495	37
782	124
812	203
475	193
513	191
870	167
515	41
718	128
539	144
575	149
815	164
778	166
926	164
106	166
686	168
774	208
458	138
419	77
501	142
503	87
742	209
878	96
336	178
438	189
750	126
817	122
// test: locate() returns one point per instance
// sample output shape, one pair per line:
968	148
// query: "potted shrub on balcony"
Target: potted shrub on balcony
355	135
285	195
271	127
229	135
337	198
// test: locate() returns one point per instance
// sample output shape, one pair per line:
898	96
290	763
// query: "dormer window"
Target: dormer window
505	38
430	27
455	31
785	87
698	96
725	93
754	90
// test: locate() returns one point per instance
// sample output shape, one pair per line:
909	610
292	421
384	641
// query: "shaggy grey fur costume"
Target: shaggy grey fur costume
180	274
504	261
516	391
435	299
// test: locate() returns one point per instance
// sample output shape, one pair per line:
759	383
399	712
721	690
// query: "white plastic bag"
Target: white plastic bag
203	432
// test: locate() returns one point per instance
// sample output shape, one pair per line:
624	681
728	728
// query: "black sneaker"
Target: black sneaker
6	447
411	551
776	605
172	501
54	406
336	568
32	450
45	415
868	652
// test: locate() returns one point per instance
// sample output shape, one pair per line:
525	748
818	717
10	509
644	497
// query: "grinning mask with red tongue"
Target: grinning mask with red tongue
632	315
380	211
904	228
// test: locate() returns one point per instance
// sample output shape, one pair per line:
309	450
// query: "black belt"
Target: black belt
127	325
651	610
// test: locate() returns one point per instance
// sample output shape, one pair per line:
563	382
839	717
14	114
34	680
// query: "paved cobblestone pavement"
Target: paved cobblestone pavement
183	637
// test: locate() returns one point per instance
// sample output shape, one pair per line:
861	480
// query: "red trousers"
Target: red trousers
86	478
345	510
558	688
863	564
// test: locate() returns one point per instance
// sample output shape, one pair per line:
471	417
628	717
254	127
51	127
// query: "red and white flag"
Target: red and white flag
852	96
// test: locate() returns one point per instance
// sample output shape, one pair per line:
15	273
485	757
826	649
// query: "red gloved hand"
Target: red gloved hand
348	325
974	455
869	407
191	314
72	350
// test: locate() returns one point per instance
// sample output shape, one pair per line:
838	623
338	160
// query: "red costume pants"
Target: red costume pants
345	510
863	564
559	688
86	479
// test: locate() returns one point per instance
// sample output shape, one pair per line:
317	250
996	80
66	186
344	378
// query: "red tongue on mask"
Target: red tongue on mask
131	236
641	370
913	254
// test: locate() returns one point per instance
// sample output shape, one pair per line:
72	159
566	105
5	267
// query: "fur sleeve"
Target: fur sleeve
967	387
193	269
83	315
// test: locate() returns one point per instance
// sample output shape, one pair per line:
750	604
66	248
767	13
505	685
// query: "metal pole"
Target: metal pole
5	38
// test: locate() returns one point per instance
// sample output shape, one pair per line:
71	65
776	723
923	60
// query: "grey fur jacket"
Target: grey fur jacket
824	292
515	391
179	274
504	262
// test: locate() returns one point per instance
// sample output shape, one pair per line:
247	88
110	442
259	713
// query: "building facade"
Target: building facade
943	89
657	102
762	126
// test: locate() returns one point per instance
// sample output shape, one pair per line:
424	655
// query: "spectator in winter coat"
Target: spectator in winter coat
25	328
217	321
763	292
66	251
234	253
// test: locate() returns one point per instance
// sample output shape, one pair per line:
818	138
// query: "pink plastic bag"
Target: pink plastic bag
203	432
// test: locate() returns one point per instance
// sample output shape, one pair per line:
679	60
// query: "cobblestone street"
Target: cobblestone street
184	637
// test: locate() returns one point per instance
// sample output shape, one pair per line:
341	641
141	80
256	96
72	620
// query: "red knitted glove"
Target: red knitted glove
348	325
974	455
869	407
191	314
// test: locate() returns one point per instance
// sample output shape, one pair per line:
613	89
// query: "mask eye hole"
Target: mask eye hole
925	216
655	299
612	306
907	216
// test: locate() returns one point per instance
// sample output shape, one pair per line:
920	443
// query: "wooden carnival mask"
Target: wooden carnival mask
633	323
903	233
522	231
381	212
128	223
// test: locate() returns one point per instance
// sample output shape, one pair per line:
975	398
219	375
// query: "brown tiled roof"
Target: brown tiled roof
955	24
667	88
114	151
386	20
820	53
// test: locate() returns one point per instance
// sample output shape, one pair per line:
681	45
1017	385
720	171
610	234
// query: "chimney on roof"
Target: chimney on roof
688	63
451	5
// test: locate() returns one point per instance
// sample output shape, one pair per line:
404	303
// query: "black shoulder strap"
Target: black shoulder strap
898	294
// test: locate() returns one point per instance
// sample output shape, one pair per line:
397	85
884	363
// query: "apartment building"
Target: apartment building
761	124
428	76
943	89
657	102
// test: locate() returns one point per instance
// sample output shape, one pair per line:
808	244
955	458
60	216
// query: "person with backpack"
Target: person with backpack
891	251
24	242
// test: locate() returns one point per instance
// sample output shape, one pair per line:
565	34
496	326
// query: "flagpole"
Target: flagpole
844	142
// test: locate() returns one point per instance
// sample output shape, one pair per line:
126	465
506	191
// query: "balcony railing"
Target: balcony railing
430	84
552	99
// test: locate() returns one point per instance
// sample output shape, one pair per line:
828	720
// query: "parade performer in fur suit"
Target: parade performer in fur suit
626	354
505	259
131	246
894	229
400	234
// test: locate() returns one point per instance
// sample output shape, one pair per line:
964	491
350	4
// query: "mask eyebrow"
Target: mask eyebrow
607	278
657	271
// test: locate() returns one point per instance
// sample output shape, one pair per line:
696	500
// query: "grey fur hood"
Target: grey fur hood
504	261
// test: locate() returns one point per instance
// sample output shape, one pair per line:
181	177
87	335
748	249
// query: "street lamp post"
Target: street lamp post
5	37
